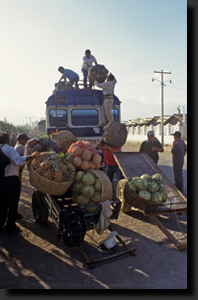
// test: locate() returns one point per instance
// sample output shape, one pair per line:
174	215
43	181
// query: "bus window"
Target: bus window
57	117
84	117
115	114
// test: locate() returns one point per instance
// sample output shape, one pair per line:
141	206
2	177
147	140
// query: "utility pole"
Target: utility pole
162	100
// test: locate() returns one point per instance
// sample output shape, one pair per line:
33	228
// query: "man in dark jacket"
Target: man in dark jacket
178	151
152	146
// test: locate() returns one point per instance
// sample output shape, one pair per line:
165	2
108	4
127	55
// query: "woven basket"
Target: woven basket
136	201
48	186
107	189
64	139
115	134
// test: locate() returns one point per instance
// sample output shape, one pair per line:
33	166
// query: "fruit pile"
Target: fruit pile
54	167
87	189
98	73
149	188
85	155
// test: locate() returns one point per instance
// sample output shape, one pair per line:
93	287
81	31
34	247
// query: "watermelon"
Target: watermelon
132	185
163	193
153	186
157	177
145	194
141	184
146	177
156	198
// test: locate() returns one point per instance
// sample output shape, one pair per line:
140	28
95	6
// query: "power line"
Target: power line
139	95
170	100
174	87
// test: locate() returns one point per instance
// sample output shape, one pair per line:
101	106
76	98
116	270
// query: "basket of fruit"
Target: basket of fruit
91	187
52	173
145	192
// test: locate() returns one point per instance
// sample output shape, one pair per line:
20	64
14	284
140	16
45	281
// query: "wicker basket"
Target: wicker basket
107	189
136	201
64	139
115	134
48	186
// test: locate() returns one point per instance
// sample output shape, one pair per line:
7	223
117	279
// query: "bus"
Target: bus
78	112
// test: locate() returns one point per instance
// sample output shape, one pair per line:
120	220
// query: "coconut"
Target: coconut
88	191
88	178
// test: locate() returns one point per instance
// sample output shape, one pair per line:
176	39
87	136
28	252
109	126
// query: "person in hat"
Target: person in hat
10	186
71	75
151	146
179	149
88	60
22	139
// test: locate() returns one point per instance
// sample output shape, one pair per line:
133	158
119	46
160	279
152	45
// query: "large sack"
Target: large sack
64	139
97	72
115	134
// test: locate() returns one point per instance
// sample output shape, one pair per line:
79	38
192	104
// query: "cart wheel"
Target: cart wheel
125	207
39	208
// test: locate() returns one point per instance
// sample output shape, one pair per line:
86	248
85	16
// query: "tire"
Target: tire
125	207
39	208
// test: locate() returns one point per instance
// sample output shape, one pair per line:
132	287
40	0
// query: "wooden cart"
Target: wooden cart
134	164
45	205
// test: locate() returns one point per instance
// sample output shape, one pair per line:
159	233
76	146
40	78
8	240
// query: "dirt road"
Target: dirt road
34	259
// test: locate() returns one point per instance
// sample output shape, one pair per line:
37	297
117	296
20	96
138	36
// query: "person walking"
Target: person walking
108	92
10	186
151	146
179	150
71	75
111	164
88	60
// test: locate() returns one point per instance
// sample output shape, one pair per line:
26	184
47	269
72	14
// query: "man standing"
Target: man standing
71	75
151	146
178	151
88	60
22	139
108	92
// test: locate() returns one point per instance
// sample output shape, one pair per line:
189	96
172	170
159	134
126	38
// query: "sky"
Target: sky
132	38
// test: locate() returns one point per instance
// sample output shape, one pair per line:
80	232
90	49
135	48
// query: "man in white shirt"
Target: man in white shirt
88	60
108	92
10	186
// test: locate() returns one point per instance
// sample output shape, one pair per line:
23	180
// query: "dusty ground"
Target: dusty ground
34	259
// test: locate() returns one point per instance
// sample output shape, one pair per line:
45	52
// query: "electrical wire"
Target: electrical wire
140	95
170	100
174	87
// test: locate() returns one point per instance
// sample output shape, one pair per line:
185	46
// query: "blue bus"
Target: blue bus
78	112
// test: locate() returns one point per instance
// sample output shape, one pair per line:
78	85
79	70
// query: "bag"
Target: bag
4	162
72	226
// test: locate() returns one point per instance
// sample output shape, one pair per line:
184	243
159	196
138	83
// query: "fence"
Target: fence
139	133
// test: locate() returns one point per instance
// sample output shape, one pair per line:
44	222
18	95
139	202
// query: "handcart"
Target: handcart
134	164
45	205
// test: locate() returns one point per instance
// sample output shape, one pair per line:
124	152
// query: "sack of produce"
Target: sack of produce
40	144
91	187
98	73
64	138
115	134
52	173
85	155
145	192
